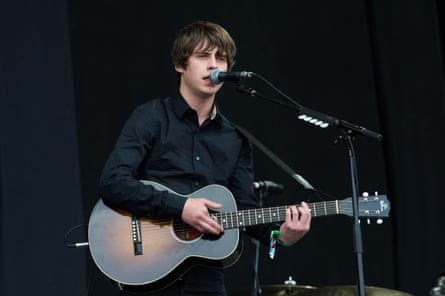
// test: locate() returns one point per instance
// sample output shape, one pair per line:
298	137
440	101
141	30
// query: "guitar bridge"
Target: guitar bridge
136	235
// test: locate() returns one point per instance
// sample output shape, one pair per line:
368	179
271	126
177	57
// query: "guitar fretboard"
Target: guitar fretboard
273	214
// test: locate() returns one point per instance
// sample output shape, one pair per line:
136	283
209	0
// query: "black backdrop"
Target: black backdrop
71	73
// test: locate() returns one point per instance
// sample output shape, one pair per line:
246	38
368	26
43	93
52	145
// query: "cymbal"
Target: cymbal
351	291
277	290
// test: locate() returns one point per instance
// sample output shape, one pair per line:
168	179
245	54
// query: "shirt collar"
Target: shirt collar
214	112
181	108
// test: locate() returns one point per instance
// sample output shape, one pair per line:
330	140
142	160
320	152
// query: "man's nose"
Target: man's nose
213	61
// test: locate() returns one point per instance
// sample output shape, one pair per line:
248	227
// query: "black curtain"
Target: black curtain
407	39
40	196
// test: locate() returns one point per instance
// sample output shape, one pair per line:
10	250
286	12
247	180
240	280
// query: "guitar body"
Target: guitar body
139	251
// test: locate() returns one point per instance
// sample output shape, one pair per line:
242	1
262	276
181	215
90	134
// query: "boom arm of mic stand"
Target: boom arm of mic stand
322	120
252	92
316	118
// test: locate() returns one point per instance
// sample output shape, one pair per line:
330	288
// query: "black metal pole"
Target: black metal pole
256	279
357	233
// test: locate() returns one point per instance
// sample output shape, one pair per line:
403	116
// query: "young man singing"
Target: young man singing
185	143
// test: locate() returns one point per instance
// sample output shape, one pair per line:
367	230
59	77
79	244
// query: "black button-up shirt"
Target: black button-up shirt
163	142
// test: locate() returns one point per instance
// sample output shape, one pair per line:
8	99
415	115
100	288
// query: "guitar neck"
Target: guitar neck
258	216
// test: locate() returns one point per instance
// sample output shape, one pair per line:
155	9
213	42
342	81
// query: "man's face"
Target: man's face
195	76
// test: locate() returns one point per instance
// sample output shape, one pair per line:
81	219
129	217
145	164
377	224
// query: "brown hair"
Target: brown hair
203	33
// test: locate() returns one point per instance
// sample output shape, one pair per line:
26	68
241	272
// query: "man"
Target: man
185	143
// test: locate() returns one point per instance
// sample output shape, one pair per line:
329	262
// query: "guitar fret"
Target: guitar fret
283	211
321	209
331	207
236	217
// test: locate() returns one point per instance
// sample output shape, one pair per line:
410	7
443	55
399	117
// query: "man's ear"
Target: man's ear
180	69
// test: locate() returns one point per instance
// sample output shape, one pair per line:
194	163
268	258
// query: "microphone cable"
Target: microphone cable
78	245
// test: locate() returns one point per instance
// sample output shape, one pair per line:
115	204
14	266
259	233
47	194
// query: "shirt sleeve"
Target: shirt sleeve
119	185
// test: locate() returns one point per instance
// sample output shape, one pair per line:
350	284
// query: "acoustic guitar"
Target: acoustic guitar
140	253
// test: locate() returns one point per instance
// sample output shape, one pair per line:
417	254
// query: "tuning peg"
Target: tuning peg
379	221
376	195
365	196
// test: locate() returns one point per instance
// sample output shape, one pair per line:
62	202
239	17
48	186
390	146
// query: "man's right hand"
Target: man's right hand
196	214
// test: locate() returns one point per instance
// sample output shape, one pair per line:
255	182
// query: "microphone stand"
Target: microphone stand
256	279
357	234
349	132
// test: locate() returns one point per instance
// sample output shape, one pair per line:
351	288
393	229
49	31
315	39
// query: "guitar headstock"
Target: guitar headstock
369	206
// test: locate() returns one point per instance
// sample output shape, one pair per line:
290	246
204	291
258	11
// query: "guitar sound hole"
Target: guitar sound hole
184	231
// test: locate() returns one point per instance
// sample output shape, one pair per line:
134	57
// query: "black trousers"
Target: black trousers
175	289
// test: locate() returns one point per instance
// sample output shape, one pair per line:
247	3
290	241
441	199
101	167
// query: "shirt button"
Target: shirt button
197	158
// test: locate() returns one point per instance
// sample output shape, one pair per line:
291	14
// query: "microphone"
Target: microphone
217	76
269	186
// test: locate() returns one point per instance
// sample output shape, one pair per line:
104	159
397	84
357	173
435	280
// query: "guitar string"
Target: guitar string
182	227
270	212
255	213
234	223
325	208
